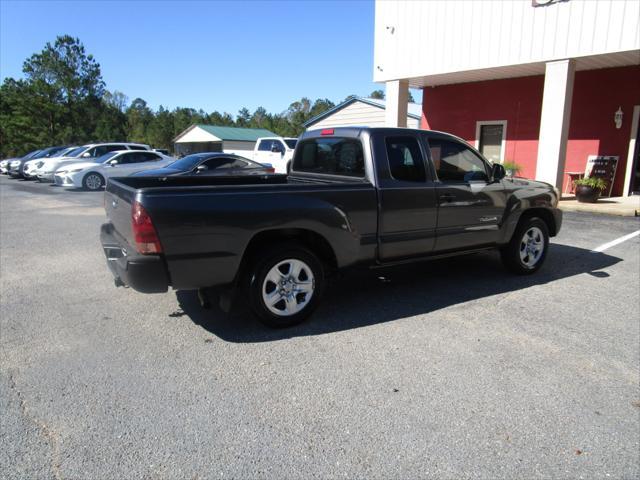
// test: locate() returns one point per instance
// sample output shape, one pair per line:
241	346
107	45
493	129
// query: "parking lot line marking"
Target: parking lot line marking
615	242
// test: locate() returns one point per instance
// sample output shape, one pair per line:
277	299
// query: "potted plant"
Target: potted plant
588	189
512	168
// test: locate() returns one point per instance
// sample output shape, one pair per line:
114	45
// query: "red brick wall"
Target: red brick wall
597	95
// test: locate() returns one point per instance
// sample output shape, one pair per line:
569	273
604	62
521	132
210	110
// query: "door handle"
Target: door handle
447	197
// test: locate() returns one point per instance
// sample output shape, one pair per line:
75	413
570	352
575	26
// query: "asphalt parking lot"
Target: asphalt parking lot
449	369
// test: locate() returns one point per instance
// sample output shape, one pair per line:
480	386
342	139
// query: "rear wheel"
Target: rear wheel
285	286
527	250
93	181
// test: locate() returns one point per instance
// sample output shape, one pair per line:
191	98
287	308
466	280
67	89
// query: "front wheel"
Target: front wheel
285	286
93	181
527	250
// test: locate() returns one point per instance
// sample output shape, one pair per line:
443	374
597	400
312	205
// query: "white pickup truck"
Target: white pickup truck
277	151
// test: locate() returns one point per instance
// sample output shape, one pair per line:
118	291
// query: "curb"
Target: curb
617	210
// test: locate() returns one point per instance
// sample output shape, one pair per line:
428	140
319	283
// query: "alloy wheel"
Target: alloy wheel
288	287
531	247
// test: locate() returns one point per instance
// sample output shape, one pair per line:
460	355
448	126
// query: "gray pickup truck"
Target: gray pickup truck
354	196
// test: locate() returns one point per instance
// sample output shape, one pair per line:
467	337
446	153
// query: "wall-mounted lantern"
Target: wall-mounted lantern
617	117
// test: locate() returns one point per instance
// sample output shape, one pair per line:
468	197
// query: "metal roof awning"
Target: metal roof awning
593	62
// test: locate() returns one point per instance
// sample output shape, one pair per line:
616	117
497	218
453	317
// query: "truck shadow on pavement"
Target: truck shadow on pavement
368	297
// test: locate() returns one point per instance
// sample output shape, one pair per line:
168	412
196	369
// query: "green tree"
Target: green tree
116	99
111	125
24	122
139	116
260	118
379	94
217	118
160	131
68	81
243	118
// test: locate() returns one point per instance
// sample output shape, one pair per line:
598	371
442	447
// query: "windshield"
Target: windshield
188	162
76	152
40	154
291	142
31	154
104	158
65	152
47	152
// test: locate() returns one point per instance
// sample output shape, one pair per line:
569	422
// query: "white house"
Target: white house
545	83
359	111
213	138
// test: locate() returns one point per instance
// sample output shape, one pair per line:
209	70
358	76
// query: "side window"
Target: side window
218	163
127	158
405	159
237	163
102	149
277	146
265	146
456	163
148	157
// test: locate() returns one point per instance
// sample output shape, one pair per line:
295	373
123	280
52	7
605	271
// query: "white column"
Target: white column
397	95
554	121
633	140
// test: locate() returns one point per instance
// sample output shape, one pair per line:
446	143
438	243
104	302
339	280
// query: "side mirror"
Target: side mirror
113	163
201	168
498	172
86	155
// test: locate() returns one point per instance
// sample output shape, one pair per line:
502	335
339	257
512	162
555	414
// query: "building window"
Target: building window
490	139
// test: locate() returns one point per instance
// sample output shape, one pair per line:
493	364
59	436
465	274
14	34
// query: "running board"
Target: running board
432	257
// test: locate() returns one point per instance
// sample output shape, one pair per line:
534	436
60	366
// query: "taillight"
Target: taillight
270	170
327	131
144	232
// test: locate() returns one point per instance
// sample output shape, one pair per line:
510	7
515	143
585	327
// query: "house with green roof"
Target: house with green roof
213	138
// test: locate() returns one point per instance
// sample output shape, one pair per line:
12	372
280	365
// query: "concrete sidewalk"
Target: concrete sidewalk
622	206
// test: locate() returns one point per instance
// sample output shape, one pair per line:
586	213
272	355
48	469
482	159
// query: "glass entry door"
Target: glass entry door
490	141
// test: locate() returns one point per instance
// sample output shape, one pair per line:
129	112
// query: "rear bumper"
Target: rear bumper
144	273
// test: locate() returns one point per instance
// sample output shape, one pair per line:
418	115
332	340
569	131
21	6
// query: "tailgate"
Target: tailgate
118	199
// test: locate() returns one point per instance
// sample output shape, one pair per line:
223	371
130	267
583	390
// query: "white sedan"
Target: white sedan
93	175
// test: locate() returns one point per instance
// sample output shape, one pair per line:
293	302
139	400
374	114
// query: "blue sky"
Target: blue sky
214	55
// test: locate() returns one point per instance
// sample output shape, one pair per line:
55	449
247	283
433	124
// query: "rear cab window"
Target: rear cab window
405	159
330	156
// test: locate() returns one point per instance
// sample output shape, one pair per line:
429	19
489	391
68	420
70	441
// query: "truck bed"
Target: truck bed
202	221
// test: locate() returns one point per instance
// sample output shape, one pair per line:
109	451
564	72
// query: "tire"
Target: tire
527	250
93	181
295	299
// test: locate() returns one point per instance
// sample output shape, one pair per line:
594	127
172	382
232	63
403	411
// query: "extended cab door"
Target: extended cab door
470	205
408	210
